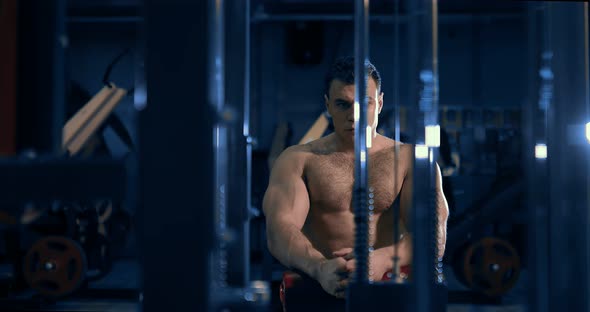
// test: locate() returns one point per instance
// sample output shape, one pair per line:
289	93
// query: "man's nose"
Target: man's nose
350	114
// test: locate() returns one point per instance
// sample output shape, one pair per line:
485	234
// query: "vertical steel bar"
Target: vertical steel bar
360	141
246	136
587	130
425	107
176	194
567	155
236	113
220	136
540	97
397	135
58	84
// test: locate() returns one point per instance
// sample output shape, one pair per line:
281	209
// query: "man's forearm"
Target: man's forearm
404	247
441	239
293	249
403	252
442	215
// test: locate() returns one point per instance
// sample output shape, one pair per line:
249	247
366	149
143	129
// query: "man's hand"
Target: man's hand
332	275
379	262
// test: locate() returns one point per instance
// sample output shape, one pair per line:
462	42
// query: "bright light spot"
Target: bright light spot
541	151
433	136
369	137
363	156
588	132
426	75
421	151
546	73
430	156
357	111
139	98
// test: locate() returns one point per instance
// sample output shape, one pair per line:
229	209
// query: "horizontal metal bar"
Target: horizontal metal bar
267	17
103	19
442	18
270	18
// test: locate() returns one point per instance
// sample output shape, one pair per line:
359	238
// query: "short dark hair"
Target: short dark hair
343	70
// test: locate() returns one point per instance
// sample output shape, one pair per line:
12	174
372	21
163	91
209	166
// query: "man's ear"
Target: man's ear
326	101
380	102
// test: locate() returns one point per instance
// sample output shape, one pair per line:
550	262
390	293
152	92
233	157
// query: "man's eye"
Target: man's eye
343	104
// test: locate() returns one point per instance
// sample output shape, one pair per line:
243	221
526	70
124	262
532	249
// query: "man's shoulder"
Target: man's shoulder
303	152
397	146
318	147
290	161
300	150
402	153
295	154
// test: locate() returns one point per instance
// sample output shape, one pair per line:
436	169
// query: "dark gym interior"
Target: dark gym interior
138	137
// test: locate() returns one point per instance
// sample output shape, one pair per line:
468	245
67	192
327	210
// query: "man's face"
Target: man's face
340	105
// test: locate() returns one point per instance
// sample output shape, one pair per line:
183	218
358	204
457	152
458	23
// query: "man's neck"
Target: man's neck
343	146
347	146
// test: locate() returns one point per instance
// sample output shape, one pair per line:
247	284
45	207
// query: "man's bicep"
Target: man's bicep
286	199
442	213
442	208
285	203
406	197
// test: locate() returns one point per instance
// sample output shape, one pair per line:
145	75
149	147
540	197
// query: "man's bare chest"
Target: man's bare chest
330	182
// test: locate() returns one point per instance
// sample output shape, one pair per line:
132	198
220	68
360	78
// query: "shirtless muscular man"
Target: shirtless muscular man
308	203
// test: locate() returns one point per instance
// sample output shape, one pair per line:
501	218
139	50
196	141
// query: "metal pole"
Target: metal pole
175	218
540	97
246	128
567	156
361	135
587	130
231	285
60	43
246	137
448	18
433	130
220	136
239	160
397	135
423	63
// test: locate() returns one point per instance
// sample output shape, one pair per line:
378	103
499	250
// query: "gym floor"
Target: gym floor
116	293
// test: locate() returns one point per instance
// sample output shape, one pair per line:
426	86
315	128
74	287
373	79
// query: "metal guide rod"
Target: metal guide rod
238	213
567	153
360	140
540	94
425	107
216	56
586	62
247	61
587	126
246	133
435	123
58	75
176	157
220	136
397	136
